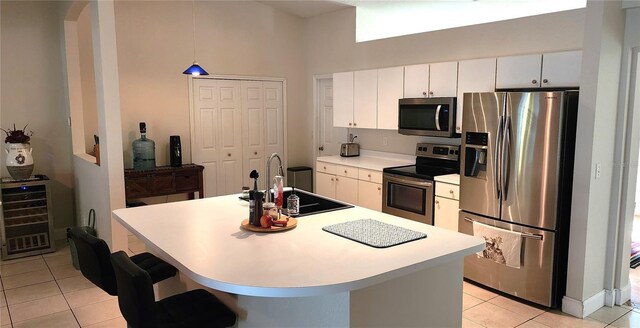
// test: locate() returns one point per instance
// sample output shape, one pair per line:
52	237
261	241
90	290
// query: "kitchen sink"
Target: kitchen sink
311	203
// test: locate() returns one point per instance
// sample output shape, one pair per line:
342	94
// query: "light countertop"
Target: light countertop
371	160
203	239
449	178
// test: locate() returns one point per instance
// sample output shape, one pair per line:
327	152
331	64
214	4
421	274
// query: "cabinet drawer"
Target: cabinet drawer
163	183
370	175
326	167
447	190
347	171
186	181
137	187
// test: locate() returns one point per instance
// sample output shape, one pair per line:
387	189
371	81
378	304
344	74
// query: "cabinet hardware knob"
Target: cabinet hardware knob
345	171
451	191
545	81
437	202
430	93
354	124
255	153
229	154
321	148
324	167
349	123
534	81
368	175
424	93
337	179
379	188
331	179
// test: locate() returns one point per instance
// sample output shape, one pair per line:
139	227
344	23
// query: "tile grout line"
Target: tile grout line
4	294
61	292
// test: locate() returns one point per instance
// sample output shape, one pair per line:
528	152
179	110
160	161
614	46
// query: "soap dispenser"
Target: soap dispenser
293	203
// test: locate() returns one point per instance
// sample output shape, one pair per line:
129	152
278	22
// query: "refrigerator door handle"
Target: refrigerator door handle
524	234
496	156
506	159
438	117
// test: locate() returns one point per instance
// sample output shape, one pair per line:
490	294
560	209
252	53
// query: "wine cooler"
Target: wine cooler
27	225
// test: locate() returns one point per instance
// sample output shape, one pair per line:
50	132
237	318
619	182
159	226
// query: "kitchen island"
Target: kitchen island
306	276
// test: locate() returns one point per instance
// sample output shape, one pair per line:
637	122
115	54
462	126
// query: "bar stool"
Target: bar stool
195	308
95	263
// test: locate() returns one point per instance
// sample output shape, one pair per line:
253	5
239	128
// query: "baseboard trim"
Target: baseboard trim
610	297
582	309
623	295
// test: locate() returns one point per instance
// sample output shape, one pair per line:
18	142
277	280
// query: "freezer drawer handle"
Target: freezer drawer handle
524	234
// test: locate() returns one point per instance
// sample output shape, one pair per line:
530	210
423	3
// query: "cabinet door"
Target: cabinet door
477	75
370	195
416	81
519	71
365	99
326	185
390	85
561	69
347	190
343	99
443	79
446	213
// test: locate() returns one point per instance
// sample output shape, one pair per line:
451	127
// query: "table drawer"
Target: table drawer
186	181
447	190
347	171
324	167
370	175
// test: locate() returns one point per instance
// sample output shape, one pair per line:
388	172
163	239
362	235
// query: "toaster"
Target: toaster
350	149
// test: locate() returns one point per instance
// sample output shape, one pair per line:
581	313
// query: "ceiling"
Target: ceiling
306	8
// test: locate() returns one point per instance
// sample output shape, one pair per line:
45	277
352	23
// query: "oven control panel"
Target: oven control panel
451	152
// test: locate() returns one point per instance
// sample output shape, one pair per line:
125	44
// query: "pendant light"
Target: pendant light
195	69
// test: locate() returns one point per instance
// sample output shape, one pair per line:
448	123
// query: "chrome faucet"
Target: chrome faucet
269	198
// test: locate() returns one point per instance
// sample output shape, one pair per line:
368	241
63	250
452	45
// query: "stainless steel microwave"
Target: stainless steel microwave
433	117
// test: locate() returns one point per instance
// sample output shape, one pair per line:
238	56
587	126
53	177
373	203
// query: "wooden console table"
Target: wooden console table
164	180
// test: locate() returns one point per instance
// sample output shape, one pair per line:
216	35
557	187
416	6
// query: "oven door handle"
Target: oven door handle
438	117
408	181
524	234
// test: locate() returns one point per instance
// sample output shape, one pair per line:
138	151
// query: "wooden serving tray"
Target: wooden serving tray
290	225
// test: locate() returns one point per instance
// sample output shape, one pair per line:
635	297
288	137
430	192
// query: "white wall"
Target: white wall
330	47
32	92
155	44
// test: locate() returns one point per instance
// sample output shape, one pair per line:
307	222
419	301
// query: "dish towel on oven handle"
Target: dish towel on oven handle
501	246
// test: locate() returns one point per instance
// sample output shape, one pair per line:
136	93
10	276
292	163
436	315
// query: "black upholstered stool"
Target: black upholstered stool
95	264
195	308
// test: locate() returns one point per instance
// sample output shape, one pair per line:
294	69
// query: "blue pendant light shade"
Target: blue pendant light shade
195	70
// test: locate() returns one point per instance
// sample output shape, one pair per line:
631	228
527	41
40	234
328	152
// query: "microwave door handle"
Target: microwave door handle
496	156
438	117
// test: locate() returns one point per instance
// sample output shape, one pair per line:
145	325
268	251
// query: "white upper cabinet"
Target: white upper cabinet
550	70
477	75
431	80
443	79
416	81
365	99
343	99
519	71
561	69
390	90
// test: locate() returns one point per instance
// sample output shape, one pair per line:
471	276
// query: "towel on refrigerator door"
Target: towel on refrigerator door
502	246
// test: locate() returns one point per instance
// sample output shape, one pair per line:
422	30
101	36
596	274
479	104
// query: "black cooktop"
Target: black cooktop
431	160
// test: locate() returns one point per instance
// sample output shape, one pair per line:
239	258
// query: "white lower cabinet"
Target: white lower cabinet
326	184
446	213
347	190
370	195
350	184
446	205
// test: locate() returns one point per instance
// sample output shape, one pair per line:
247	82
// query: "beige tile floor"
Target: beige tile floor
46	291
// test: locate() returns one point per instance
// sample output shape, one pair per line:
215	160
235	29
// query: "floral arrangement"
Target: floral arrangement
17	136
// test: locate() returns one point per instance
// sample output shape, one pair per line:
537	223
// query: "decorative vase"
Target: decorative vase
19	160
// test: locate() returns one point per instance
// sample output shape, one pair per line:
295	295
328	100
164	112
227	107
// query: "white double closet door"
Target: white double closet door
237	125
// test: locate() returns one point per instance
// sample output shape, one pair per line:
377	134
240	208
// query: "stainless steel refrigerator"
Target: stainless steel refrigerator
516	175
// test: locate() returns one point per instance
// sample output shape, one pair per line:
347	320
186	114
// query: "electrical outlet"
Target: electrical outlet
598	170
385	141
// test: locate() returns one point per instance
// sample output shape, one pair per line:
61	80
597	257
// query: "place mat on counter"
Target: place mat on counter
374	233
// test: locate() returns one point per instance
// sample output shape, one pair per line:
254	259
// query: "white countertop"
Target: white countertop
203	239
449	178
371	160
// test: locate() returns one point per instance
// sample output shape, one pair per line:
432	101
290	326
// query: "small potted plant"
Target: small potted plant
19	160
